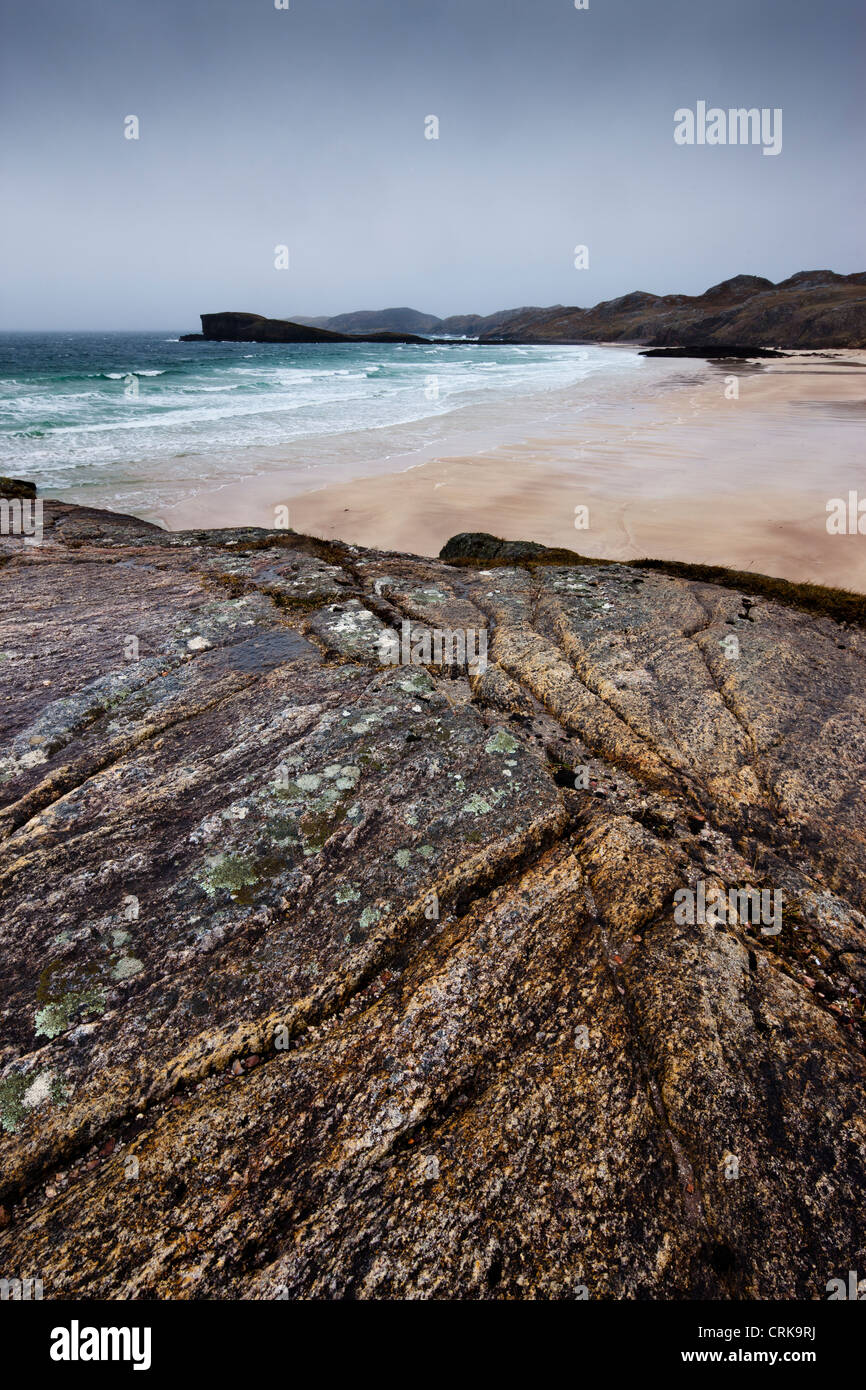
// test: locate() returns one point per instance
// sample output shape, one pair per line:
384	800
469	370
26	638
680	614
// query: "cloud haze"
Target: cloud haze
305	127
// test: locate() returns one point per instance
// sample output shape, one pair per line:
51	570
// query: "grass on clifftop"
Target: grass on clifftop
842	605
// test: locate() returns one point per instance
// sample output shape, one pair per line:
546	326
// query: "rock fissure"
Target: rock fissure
332	976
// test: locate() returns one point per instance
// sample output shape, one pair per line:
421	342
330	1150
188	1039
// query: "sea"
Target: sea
141	421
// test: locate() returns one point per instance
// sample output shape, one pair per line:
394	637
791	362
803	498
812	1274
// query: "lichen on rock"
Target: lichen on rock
376	972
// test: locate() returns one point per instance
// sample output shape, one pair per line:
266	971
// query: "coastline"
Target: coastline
668	466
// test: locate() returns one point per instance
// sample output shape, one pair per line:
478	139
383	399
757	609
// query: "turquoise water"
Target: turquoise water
132	416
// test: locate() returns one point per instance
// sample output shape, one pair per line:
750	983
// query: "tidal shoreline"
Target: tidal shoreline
732	465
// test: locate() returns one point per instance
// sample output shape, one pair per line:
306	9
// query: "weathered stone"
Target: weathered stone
333	979
17	487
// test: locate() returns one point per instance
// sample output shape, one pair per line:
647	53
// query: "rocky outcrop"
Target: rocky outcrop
17	487
812	309
234	327
327	978
736	350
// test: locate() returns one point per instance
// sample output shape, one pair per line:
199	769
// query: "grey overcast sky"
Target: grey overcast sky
306	127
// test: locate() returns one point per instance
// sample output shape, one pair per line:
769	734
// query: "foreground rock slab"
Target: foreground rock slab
323	978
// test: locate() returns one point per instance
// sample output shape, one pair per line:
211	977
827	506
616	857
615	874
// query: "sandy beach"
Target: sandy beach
731	464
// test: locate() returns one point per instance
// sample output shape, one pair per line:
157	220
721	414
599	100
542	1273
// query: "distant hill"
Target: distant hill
812	309
413	321
383	321
473	325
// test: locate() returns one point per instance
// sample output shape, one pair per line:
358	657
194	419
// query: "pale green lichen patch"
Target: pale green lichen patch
428	596
245	876
126	967
476	805
347	894
74	987
370	717
403	857
57	1017
12	1107
319	805
501	742
419	683
20	1093
309	782
230	872
363	726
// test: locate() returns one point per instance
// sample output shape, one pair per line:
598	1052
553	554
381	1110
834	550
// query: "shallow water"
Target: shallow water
143	421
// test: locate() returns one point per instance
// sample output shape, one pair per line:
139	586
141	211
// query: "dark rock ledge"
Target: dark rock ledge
242	1057
234	327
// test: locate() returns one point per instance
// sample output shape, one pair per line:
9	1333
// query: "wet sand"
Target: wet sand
678	468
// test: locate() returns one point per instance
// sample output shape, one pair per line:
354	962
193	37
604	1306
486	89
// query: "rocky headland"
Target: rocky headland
811	309
325	978
235	327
